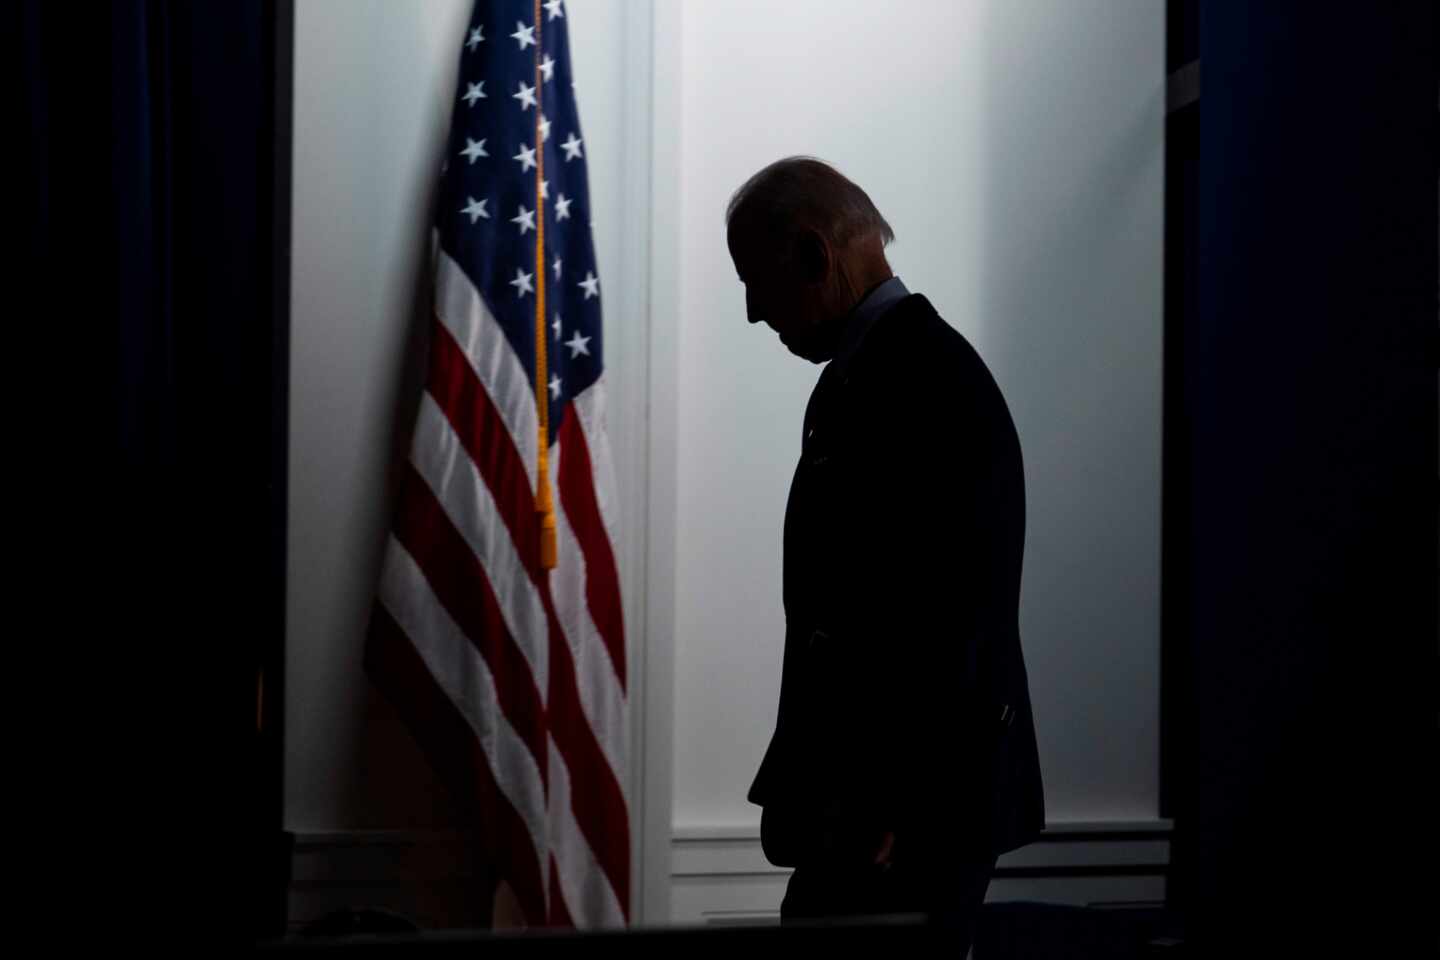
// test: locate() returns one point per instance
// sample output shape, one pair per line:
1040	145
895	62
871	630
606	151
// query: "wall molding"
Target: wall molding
720	875
652	137
649	686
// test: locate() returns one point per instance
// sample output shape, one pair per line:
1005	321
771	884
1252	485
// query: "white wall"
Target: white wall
374	80
1016	148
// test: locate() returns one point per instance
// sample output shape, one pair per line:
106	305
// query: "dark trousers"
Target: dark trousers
949	897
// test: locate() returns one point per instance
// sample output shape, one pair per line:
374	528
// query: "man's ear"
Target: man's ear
811	256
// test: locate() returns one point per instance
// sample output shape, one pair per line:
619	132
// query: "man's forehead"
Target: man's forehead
750	249
742	251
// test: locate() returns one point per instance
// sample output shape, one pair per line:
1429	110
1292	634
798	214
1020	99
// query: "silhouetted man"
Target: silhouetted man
903	760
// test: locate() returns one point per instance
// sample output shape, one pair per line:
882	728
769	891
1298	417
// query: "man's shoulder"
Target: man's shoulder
912	339
916	361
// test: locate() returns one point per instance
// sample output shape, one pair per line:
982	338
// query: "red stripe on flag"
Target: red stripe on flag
454	753
602	581
460	584
595	795
597	801
467	405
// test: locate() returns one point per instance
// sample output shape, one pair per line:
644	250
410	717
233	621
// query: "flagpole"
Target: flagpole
544	503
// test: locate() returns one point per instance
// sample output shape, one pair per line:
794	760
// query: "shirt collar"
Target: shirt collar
862	318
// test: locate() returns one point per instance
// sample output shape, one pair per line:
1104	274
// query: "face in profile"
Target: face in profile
779	295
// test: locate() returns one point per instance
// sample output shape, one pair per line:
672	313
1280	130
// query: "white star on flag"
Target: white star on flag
557	269
571	147
525	218
477	36
473	92
473	149
526	156
544	128
544	189
521	283
526	96
578	345
591	284
475	208
562	208
524	35
554	7
547	67
555	387
556	326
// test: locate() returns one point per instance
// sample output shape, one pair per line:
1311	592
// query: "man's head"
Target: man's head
807	243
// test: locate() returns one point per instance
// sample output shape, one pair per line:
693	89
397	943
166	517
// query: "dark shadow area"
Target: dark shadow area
1009	931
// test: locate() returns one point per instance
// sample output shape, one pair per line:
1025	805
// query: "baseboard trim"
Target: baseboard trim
1059	831
719	873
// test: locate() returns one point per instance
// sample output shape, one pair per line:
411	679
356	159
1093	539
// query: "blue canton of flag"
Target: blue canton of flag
487	204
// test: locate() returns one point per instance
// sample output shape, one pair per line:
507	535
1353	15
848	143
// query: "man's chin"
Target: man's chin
805	351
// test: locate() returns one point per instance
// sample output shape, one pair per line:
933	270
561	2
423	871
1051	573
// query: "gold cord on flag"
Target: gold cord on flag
544	504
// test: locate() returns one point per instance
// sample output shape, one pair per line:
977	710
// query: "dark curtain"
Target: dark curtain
1301	481
157	150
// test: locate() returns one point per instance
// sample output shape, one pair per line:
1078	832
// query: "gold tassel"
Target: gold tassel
545	507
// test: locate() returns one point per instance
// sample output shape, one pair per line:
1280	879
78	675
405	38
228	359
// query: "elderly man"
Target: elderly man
903	760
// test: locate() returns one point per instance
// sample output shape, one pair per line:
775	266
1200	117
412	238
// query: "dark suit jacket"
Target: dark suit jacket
904	703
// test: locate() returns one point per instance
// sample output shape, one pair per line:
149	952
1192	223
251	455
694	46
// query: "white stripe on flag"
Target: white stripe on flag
448	470
456	482
601	698
461	308
587	892
465	678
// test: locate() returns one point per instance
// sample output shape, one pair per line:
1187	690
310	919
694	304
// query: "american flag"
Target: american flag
511	671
